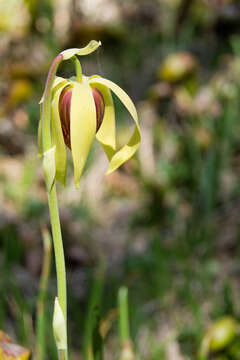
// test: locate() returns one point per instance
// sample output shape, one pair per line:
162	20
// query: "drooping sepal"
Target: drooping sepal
83	126
57	82
58	139
128	150
40	147
49	168
106	135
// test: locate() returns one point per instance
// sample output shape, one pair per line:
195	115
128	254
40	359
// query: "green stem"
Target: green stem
123	314
127	349
58	249
78	68
59	256
61	355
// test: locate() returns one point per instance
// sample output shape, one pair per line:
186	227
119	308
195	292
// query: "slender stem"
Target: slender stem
59	257
127	349
123	314
78	68
61	355
58	249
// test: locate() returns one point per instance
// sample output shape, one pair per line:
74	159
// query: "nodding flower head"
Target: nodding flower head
82	108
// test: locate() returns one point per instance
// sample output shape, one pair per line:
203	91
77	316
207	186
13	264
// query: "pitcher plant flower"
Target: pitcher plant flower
74	111
82	108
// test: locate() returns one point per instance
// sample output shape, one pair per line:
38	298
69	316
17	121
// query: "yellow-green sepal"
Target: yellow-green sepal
106	135
128	150
40	150
49	168
88	49
83	126
57	138
57	82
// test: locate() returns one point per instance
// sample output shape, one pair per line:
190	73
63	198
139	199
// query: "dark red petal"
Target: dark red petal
64	113
99	105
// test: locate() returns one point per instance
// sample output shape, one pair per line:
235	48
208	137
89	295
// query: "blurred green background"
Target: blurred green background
166	224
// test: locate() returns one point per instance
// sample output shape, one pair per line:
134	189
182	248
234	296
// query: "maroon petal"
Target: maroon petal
99	105
64	112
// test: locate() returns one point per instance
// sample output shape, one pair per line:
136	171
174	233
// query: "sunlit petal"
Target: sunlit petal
128	150
83	126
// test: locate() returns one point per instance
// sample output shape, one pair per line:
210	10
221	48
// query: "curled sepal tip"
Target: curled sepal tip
59	327
88	49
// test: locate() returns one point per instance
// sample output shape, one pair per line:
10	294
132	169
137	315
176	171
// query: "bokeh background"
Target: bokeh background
166	224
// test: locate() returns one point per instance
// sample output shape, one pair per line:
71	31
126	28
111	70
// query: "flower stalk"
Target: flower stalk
78	69
48	152
49	172
73	112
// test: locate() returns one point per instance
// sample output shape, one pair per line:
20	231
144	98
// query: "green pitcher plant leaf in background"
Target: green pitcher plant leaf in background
82	107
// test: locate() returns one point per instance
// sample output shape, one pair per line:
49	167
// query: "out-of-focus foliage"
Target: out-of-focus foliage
167	223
